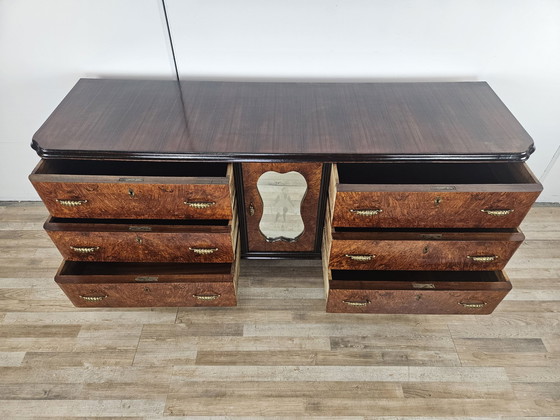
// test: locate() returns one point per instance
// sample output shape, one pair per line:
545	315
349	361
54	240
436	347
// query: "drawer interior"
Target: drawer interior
374	276
131	168
434	173
78	268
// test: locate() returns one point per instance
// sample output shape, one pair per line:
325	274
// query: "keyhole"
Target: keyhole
131	193
437	201
147	289
418	297
139	239
425	250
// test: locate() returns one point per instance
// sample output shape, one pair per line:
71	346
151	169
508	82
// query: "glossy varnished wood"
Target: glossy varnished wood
132	196
386	250
277	354
253	211
141	242
416	292
236	121
96	284
138	195
462	199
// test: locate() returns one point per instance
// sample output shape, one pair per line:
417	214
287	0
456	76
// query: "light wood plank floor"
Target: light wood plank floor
277	354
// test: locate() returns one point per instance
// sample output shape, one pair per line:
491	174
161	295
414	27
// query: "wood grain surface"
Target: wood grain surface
423	251
144	197
277	354
433	196
406	209
416	292
131	119
142	246
256	240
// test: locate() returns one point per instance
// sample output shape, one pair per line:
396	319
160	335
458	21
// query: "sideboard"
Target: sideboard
411	193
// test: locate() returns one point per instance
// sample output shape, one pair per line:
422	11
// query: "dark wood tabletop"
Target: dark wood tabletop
257	121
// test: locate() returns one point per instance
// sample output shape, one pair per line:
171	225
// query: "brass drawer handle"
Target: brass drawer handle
497	212
203	251
473	305
200	204
365	257
93	298
71	203
84	249
357	302
207	297
483	258
366	212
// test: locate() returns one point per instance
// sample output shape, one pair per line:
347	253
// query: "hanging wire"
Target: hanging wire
170	40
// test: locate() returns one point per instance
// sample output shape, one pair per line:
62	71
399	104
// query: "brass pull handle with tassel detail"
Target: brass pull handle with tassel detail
366	212
473	305
364	302
84	249
203	251
483	258
200	204
93	298
497	212
207	297
361	258
71	203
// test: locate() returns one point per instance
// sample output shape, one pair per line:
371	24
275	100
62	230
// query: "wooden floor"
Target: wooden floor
278	354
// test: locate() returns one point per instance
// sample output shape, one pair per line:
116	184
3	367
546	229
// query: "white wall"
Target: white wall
47	45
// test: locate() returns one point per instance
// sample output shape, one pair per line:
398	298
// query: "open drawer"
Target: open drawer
433	195
100	284
118	240
134	190
435	249
416	292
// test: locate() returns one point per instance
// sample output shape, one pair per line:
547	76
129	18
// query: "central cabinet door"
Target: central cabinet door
282	206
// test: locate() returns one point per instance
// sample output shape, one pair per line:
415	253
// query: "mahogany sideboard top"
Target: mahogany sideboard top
256	121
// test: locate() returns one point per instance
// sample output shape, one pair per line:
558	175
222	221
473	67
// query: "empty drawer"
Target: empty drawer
416	292
97	284
208	241
370	249
134	190
444	195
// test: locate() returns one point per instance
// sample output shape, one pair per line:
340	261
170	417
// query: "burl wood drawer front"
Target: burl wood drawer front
122	240
445	195
423	250
134	190
146	285
416	292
